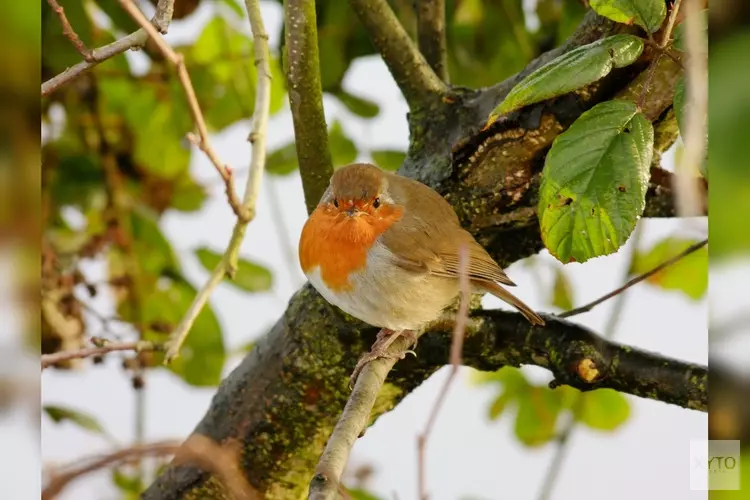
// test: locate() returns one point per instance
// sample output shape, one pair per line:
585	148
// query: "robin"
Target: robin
385	249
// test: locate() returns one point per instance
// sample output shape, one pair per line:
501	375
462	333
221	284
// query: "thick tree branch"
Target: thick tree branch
431	35
138	38
413	75
306	99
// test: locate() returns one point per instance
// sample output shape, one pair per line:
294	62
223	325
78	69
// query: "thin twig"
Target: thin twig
457	343
431	35
69	32
306	99
138	38
257	137
101	346
670	24
61	480
416	79
585	308
688	197
564	437
202	141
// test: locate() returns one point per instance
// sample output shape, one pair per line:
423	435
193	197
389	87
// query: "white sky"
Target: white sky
468	456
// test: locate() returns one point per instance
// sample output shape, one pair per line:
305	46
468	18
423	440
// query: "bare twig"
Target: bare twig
457	342
138	38
431	35
101	346
306	99
61	480
670	24
257	138
202	141
416	79
634	281
688	197
69	32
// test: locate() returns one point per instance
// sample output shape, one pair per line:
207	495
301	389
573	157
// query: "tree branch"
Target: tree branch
69	32
306	99
431	35
228	265
101	346
138	38
413	75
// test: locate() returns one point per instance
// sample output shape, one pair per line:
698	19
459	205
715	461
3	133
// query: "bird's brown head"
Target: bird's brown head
358	189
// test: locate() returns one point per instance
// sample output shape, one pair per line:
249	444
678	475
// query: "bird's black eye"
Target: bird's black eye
376	203
336	203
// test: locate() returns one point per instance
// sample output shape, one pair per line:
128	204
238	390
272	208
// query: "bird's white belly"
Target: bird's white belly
387	296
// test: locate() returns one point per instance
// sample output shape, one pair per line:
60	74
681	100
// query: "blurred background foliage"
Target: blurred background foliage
115	159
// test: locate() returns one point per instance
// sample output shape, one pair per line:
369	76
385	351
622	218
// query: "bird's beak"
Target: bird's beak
352	211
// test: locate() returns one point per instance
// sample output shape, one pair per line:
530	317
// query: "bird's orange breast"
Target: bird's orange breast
338	244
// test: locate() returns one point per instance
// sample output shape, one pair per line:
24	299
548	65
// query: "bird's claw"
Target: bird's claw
372	356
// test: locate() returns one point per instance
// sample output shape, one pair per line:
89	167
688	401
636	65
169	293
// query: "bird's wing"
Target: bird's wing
432	244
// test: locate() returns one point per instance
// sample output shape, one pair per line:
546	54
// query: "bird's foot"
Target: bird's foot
379	350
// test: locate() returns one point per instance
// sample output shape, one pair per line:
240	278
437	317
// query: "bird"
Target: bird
385	249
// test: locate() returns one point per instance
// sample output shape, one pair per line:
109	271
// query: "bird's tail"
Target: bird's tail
504	295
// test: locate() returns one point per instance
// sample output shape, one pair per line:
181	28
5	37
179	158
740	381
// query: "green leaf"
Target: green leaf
188	195
688	275
648	14
250	277
536	422
388	159
59	414
594	182
131	486
679	32
358	105
499	404
359	494
602	409
571	71
343	150
562	291
235	6
202	357
152	249
282	161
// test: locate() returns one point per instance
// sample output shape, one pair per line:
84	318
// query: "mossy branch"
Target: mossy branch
431	35
306	99
413	75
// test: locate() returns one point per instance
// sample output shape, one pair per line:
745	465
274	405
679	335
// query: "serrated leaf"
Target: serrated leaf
602	409
571	71
562	291
360	106
688	275
250	277
648	14
59	414
594	182
202	357
388	159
